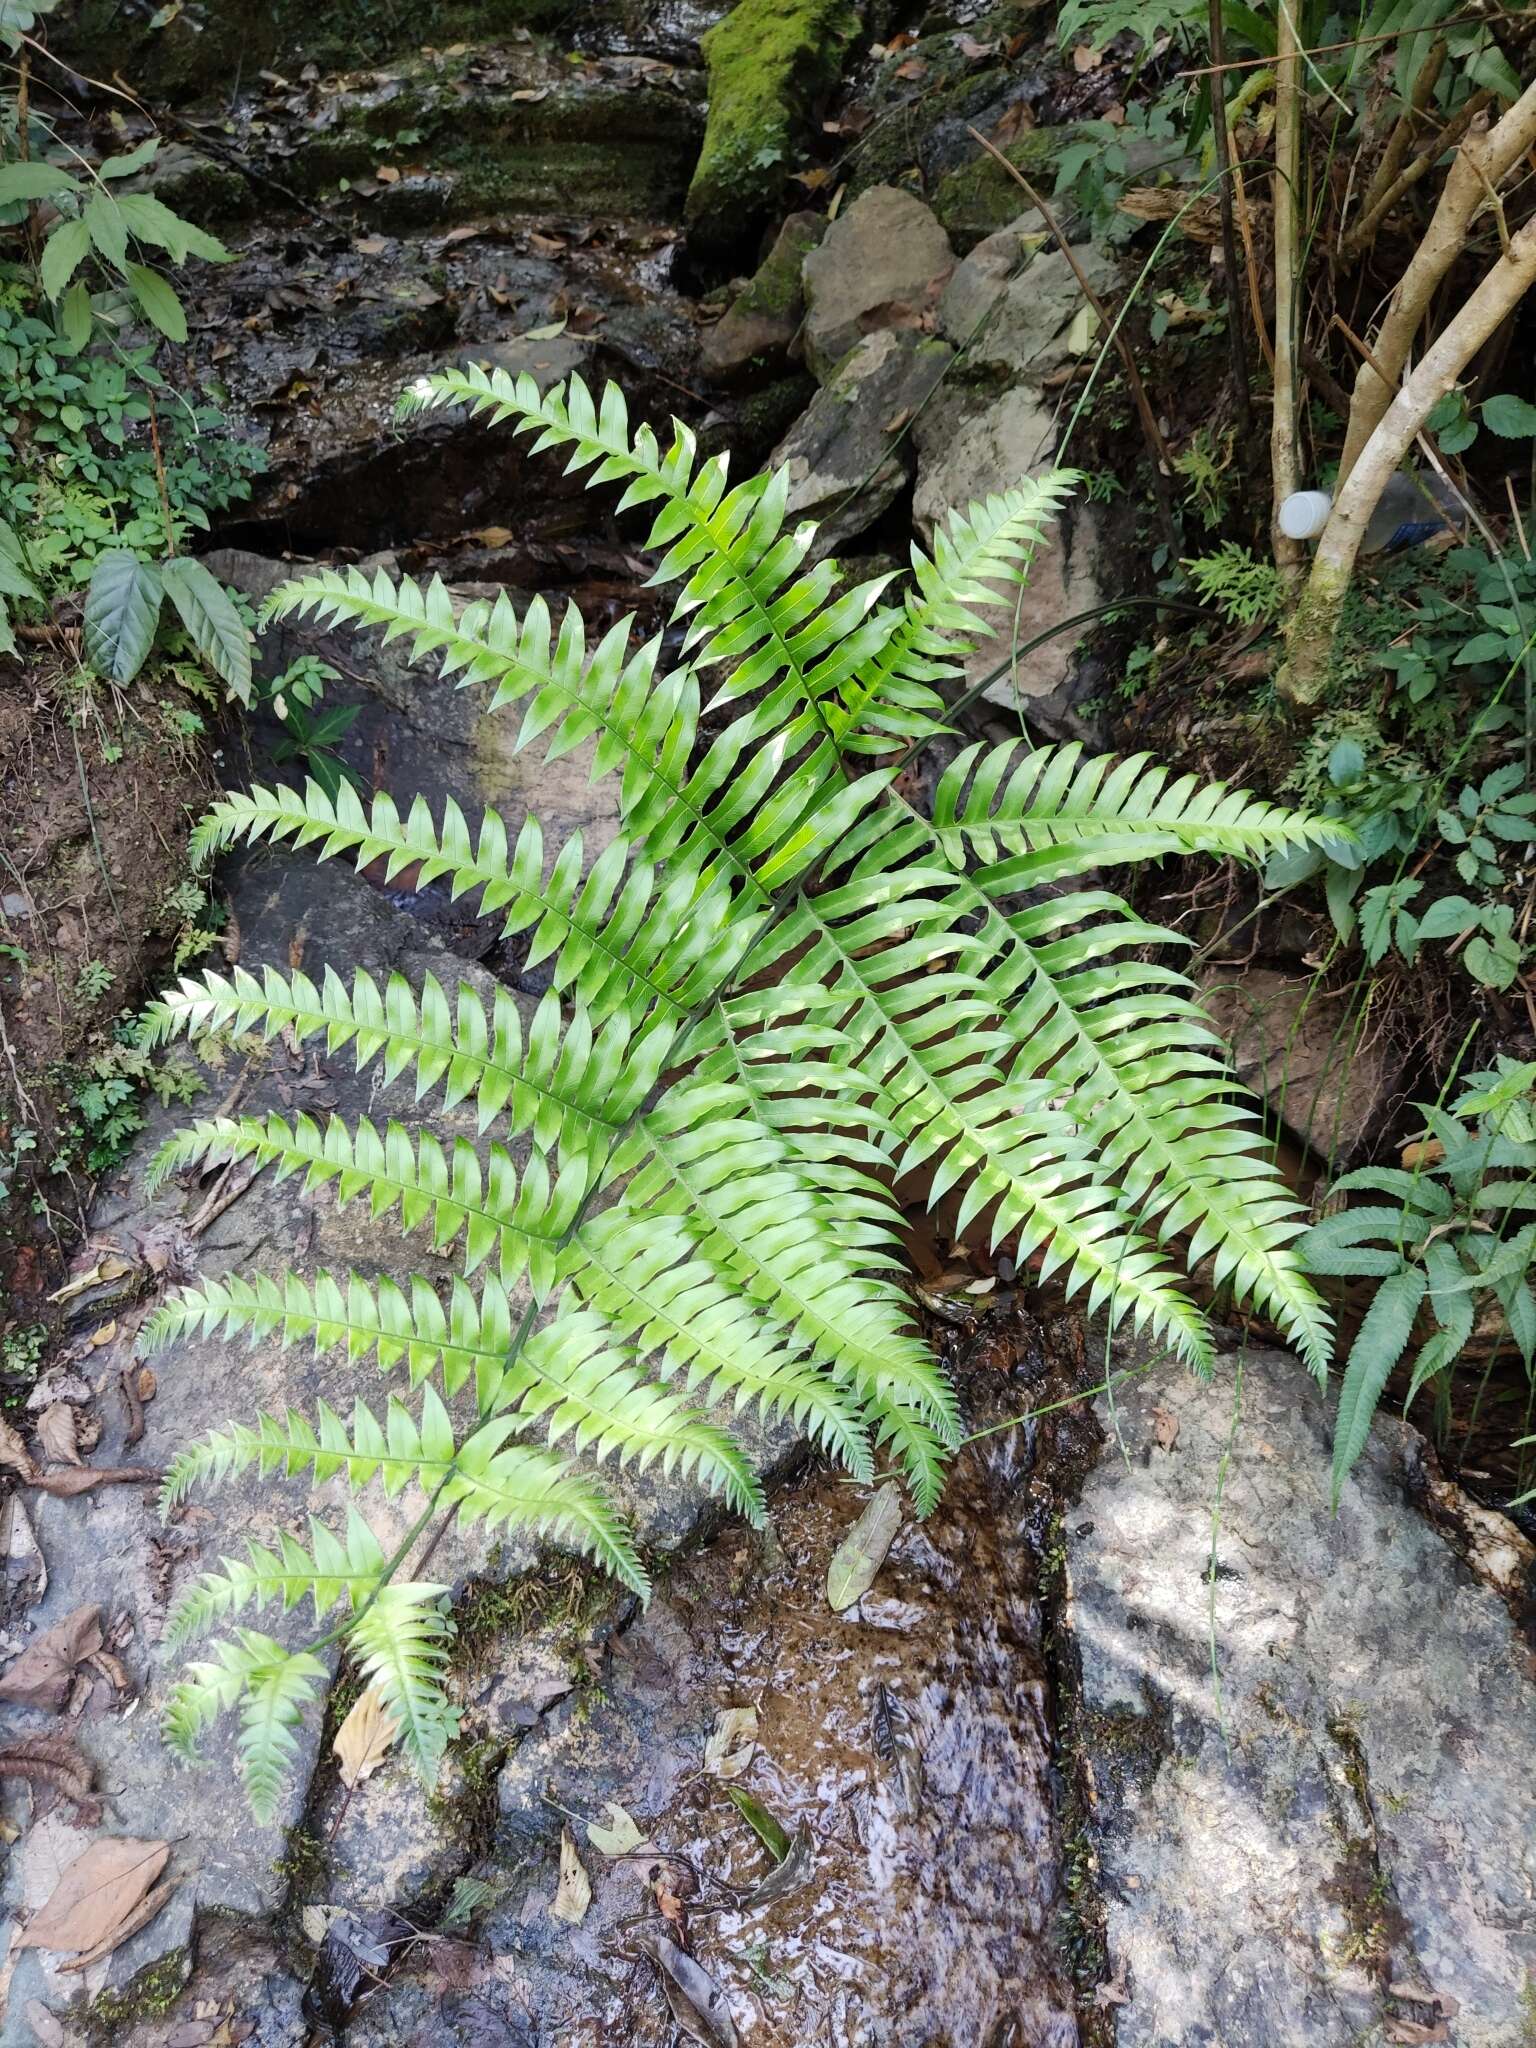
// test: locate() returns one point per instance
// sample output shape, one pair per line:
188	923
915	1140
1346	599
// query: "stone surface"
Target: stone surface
976	198
1028	301
1302	1051
1349	1826
850	454
970	445
757	332
881	264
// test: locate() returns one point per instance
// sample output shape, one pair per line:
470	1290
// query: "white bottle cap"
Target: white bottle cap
1304	514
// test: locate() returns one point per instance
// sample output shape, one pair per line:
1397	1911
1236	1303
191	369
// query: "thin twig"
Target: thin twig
1514	511
1358	240
1162	462
1220	138
165	496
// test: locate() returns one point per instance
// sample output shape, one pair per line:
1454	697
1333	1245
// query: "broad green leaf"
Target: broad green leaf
108	230
75	319
63	253
33	181
122	608
132	161
1512	418
156	301
216	629
14	581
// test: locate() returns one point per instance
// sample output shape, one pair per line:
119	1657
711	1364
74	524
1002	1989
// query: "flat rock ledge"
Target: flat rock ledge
1322	1830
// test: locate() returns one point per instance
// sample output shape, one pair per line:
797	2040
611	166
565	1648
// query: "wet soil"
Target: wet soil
98	792
905	1746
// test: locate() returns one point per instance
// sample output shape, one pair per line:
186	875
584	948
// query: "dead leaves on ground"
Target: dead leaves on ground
573	1894
857	1560
364	1738
44	1672
109	1892
732	1743
54	1763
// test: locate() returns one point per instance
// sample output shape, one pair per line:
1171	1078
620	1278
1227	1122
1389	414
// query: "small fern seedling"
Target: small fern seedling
781	987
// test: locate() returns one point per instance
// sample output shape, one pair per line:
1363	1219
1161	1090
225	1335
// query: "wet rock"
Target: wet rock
1029	301
770	62
968	447
762	322
1345	1836
1301	1051
388	1846
850	455
882	264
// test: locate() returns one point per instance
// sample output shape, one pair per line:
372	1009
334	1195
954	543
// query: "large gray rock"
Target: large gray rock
850	453
1310	1738
969	447
1016	304
883	263
1301	1051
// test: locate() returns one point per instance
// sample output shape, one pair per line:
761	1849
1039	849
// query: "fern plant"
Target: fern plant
781	986
1452	1242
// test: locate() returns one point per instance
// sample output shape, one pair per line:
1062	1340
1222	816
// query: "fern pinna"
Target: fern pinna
782	986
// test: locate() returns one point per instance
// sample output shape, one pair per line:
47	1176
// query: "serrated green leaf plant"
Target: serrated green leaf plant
1450	1241
784	985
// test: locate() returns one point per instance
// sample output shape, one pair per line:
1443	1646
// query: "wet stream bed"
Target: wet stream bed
904	1746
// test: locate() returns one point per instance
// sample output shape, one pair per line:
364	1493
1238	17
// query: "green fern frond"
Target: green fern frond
977	556
1034	815
469	1337
273	1686
572	1084
484	1477
325	1574
587	1387
779	989
446	1189
400	1644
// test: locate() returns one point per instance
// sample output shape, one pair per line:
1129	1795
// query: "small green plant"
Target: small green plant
309	735
1450	1242
782	984
1248	592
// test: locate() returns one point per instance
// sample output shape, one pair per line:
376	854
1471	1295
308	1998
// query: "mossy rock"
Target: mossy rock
770	61
976	199
212	43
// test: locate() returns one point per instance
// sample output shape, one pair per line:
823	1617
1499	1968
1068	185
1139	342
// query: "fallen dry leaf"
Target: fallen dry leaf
371	245
112	1267
1086	58
1442	2001
148	1385
573	1894
88	1477
1409	2033
51	1760
857	1560
14	1455
621	1837
387	174
972	50
530	92
914	68
364	1738
1165	1428
56	1433
1114	1990
43	1674
96	1896
1427	1152
732	1742
141	1916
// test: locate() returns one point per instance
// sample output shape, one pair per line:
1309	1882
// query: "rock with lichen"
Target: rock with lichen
883	264
759	329
769	62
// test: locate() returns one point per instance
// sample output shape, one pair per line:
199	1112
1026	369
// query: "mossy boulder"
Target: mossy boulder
976	199
758	330
770	62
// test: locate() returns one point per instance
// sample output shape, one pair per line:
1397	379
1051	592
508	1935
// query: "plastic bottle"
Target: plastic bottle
1411	509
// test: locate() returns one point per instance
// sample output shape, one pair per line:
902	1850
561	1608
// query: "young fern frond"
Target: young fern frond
781	987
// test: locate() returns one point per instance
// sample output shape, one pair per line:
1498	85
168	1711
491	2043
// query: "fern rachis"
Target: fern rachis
780	987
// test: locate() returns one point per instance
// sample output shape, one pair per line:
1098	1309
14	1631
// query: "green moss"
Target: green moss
149	1996
978	198
304	1864
769	61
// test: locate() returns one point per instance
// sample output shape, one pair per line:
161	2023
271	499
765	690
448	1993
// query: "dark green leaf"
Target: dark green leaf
216	629
63	253
760	1821
1510	417
122	608
107	229
1382	1340
134	160
155	299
